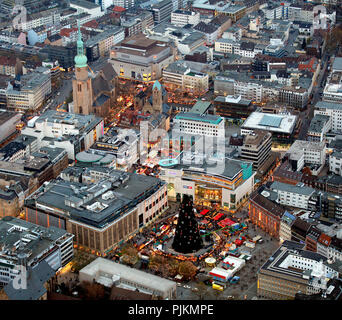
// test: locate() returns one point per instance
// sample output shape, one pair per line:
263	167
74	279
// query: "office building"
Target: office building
293	196
87	7
196	124
104	41
256	148
181	18
292	269
29	91
332	110
319	126
233	107
285	231
71	132
162	11
178	75
281	126
307	154
19	238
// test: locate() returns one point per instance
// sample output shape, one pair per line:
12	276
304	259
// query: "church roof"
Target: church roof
100	85
100	100
109	71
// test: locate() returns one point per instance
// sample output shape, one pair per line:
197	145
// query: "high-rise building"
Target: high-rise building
162	11
257	147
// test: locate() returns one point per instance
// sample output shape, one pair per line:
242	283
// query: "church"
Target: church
93	92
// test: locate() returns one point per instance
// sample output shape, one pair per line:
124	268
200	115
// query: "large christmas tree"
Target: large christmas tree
187	238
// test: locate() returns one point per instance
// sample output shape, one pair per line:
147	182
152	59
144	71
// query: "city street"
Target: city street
307	115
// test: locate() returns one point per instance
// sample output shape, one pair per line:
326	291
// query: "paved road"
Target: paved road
308	114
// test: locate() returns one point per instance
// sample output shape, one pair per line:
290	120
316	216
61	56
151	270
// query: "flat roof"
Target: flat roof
111	268
201	107
209	118
275	123
299	188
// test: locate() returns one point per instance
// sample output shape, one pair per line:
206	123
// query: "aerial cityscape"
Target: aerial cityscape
183	150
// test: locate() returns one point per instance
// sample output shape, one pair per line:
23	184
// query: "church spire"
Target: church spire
81	59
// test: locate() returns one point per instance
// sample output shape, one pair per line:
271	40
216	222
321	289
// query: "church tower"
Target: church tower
82	85
157	97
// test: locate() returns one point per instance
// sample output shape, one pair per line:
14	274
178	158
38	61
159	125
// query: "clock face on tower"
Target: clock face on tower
78	69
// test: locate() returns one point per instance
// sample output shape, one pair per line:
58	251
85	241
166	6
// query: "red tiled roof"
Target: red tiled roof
65	32
324	239
119	9
91	24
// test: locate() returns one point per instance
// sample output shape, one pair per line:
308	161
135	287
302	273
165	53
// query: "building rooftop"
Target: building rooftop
299	188
201	107
328	105
19	236
84	4
97	204
280	261
337	64
111	269
317	123
275	123
191	116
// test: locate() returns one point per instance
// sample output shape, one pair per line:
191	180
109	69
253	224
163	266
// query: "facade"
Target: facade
139	58
292	269
226	183
335	164
182	17
286	222
293	196
30	91
162	11
102	213
332	110
257	148
294	96
233	107
304	153
106	40
21	238
71	132
8	122
178	75
311	239
110	273
265	213
196	124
